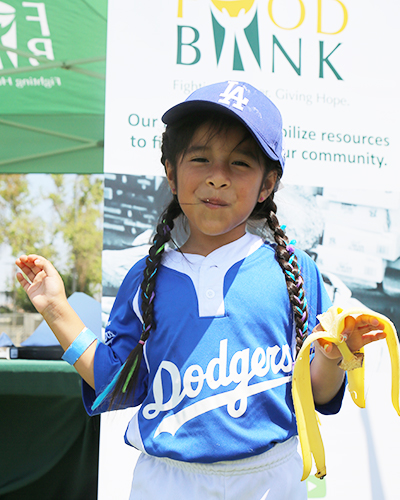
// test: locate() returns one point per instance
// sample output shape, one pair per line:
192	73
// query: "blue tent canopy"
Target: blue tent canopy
5	340
87	308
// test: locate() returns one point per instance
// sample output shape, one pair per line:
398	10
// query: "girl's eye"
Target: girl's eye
199	160
241	163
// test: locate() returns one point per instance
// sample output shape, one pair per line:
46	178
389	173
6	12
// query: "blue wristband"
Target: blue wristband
79	346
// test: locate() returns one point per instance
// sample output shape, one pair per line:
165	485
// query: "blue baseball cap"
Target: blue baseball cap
253	108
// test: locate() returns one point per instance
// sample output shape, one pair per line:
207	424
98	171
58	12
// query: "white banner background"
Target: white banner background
144	79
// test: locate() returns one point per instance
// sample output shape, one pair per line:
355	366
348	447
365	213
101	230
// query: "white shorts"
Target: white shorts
274	475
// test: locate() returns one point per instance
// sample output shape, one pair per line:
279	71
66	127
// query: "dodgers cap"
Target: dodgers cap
253	108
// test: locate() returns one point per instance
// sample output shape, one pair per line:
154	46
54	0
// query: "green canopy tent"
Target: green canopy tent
52	86
52	93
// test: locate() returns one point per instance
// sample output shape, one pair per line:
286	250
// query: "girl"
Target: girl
218	322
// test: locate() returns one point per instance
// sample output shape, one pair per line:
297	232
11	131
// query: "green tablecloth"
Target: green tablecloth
49	447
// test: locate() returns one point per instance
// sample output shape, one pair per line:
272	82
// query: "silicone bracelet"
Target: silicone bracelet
79	346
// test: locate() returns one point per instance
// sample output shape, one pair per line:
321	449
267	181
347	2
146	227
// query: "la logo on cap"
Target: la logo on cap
235	94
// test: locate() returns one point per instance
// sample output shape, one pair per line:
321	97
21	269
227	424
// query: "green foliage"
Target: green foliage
80	225
19	228
77	221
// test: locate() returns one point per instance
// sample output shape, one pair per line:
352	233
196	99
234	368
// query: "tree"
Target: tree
19	227
23	231
80	225
77	221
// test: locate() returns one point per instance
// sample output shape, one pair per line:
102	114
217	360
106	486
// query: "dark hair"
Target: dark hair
176	140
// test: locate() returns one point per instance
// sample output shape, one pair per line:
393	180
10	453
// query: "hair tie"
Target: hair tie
291	275
160	249
142	341
144	330
290	247
152	274
129	376
299	310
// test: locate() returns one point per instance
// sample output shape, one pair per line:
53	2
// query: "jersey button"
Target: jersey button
210	294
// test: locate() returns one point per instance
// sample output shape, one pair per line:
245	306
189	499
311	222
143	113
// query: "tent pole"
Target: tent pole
50	153
44	131
46	64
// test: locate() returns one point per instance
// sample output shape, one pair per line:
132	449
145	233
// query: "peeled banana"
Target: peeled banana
333	322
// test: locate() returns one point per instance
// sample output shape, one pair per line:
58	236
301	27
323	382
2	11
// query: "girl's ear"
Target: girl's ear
170	173
268	186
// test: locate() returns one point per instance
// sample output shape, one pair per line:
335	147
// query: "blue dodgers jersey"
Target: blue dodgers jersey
212	388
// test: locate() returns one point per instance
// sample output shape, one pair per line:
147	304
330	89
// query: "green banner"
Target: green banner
52	85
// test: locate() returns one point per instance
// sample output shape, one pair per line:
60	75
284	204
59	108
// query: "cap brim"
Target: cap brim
184	108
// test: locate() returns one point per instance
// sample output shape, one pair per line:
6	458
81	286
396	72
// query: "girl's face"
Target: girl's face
219	179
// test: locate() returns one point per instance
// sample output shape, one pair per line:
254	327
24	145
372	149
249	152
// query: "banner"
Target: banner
52	86
334	82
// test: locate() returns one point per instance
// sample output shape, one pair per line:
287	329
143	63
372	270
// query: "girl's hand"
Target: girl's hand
46	291
45	287
357	333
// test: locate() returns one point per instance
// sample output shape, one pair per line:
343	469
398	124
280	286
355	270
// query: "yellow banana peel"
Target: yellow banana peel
333	322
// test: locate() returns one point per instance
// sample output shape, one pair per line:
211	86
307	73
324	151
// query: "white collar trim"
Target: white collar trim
208	273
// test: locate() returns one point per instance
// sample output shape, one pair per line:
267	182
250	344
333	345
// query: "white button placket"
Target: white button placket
211	283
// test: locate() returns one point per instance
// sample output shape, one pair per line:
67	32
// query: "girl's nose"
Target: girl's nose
219	176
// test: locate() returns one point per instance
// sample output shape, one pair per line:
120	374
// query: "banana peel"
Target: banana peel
333	322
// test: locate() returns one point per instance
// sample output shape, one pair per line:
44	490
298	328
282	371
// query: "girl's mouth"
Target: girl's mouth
215	202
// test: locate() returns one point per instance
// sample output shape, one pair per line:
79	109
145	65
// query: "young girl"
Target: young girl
218	321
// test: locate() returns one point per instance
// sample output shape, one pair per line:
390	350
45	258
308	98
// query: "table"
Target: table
49	446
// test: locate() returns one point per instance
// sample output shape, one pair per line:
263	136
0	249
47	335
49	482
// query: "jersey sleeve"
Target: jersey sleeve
122	335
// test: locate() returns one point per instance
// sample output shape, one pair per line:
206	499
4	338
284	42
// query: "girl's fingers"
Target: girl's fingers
373	336
330	350
326	346
28	272
42	264
362	330
21	278
367	321
35	269
363	324
33	264
25	263
349	325
23	282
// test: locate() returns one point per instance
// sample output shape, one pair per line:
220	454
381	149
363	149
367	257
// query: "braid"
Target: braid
294	281
128	377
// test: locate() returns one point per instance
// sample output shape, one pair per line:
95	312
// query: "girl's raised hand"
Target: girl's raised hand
357	333
44	286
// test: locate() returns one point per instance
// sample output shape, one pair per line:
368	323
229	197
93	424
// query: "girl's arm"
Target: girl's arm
326	376
46	291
